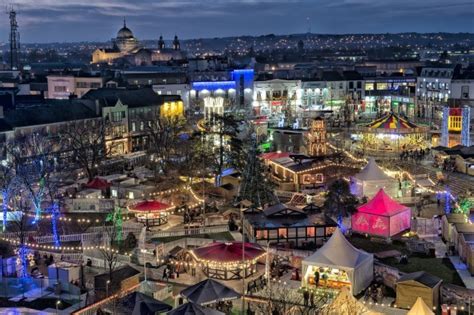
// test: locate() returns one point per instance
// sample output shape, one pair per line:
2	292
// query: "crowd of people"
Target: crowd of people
414	155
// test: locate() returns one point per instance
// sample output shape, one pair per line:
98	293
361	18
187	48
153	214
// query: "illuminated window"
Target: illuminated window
369	86
282	233
382	86
310	231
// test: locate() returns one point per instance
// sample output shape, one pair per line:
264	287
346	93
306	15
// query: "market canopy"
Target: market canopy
209	291
146	305
228	252
149	206
420	308
193	309
392	121
381	204
339	253
372	172
98	183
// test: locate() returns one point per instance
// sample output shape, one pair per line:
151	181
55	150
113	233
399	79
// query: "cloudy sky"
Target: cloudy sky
99	20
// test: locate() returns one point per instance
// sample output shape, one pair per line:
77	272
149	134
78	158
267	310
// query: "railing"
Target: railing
192	231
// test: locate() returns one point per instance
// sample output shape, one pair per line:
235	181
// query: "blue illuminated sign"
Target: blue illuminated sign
214	85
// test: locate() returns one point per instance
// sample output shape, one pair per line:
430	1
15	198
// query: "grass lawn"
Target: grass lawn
372	246
440	267
222	236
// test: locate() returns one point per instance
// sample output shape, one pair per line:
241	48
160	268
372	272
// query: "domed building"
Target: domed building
125	41
126	48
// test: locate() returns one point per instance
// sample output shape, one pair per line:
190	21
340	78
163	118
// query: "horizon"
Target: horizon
40	21
244	35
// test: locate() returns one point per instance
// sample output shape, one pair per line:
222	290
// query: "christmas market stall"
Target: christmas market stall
338	264
370	179
420	284
151	212
208	292
381	216
229	260
392	133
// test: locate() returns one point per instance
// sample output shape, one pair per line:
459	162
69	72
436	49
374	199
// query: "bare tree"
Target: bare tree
163	134
279	298
86	142
34	160
7	176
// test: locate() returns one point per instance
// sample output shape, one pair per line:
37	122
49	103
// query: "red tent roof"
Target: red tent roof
382	204
228	252
274	155
98	183
149	206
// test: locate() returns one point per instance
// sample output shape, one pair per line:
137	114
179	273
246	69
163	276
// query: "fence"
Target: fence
33	288
192	231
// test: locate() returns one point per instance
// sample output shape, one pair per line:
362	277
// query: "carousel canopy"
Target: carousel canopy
392	121
209	291
372	172
149	206
382	205
420	308
98	183
193	309
228	252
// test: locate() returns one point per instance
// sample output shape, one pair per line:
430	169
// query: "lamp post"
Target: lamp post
58	302
243	269
107	288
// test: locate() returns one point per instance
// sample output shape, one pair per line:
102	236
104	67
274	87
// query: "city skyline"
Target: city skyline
52	21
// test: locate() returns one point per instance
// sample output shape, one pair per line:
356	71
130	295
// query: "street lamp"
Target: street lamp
58	302
107	288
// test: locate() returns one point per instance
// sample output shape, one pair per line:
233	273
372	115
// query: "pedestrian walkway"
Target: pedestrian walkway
463	272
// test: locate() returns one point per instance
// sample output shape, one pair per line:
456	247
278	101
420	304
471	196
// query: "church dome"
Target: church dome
124	32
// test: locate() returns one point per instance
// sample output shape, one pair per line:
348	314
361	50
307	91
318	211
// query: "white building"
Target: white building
275	96
64	86
433	88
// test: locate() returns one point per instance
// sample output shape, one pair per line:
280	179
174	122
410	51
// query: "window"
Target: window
134	127
283	233
142	125
81	85
95	85
465	91
178	92
310	231
60	88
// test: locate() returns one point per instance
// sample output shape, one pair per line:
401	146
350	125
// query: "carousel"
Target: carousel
151	212
230	260
392	133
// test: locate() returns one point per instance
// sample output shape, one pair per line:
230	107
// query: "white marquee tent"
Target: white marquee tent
420	308
338	253
371	179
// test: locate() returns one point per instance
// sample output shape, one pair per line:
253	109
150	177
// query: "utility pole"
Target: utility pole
14	41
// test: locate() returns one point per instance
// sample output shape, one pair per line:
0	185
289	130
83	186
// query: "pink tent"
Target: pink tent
381	216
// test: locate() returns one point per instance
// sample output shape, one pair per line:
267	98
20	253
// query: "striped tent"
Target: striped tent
392	121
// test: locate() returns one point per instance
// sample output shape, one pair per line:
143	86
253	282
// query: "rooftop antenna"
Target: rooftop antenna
14	39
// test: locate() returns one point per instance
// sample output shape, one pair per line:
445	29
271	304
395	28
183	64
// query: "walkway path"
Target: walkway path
463	272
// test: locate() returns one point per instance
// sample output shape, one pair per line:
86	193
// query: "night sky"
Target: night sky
99	20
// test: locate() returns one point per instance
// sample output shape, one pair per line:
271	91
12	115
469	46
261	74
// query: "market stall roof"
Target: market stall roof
209	291
420	308
98	183
372	172
391	121
228	252
193	309
338	251
382	204
421	277
146	305
149	206
274	155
